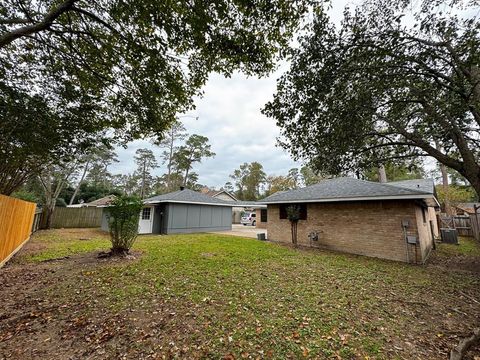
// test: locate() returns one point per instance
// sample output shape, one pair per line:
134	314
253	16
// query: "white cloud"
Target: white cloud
229	115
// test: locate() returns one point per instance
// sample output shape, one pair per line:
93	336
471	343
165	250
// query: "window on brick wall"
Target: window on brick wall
263	215
303	211
424	217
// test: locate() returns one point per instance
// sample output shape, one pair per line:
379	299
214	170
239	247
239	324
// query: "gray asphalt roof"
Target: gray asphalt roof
347	189
424	185
188	196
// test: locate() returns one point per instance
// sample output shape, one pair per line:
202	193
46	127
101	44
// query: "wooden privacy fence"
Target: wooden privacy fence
84	217
466	225
16	219
463	224
37	220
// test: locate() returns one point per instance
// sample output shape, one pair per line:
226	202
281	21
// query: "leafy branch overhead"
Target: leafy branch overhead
122	67
376	90
140	61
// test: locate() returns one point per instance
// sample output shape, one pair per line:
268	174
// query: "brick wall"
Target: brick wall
260	224
371	228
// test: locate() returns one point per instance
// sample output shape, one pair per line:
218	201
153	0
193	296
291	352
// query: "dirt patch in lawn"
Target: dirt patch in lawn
43	322
466	263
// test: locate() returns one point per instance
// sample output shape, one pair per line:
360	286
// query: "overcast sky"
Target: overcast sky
229	115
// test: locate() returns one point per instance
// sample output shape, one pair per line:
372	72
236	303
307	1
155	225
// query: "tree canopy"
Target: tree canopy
247	179
139	61
123	66
377	89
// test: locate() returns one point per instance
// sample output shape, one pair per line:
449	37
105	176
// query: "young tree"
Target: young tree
309	176
195	149
145	161
293	215
376	90
123	217
177	132
53	180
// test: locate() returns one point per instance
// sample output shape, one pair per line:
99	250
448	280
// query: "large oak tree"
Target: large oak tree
383	87
132	64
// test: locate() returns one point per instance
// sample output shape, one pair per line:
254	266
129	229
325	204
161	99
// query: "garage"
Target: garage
184	211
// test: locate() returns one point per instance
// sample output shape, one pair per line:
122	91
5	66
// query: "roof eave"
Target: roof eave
362	198
153	202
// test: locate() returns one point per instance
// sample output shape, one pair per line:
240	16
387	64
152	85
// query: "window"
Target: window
253	215
303	210
423	215
263	215
146	213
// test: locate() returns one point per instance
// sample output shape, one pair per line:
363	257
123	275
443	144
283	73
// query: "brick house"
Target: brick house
394	220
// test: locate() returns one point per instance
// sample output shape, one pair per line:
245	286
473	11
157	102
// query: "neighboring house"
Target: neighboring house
219	194
395	220
237	211
183	211
102	202
467	208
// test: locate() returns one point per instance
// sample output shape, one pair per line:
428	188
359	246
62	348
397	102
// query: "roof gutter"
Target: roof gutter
363	198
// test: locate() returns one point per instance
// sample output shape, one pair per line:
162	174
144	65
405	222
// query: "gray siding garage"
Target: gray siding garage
185	211
188	218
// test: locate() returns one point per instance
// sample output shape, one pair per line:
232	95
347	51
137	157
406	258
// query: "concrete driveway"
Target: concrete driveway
245	231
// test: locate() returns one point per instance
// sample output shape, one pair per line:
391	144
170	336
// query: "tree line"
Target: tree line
74	73
373	90
87	177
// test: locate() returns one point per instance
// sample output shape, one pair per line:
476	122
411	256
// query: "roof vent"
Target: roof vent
182	188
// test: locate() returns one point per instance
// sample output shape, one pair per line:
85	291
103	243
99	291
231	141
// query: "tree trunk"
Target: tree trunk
142	193
382	175
294	233
79	183
47	216
186	176
473	178
169	173
448	207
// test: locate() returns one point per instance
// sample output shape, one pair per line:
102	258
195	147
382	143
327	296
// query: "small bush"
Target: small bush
123	217
61	202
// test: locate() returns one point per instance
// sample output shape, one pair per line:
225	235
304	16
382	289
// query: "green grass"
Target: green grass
466	246
57	243
247	297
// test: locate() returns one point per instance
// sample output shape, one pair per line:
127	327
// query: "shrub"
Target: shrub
123	217
60	202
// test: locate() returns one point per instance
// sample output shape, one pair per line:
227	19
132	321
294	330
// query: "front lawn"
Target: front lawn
215	296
